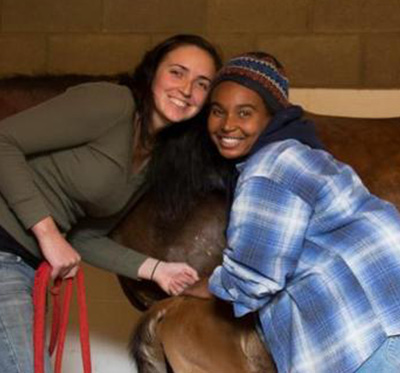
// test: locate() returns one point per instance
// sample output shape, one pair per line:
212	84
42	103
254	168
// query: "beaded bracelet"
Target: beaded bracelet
154	269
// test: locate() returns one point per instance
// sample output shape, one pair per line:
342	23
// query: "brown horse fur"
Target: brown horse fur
187	334
199	241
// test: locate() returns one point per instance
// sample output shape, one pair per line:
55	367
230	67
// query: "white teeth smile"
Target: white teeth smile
178	102
230	142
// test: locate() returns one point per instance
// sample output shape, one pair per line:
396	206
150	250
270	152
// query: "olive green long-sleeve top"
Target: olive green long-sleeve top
71	158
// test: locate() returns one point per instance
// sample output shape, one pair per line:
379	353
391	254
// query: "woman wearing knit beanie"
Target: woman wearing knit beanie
309	250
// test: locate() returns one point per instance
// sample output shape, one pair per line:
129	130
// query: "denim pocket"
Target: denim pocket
9	258
15	275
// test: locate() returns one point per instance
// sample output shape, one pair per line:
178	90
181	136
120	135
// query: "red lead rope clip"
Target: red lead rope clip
60	318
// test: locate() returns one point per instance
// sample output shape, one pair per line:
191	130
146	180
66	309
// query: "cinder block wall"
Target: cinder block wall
323	43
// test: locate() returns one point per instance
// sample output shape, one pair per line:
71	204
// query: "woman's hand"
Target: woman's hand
199	290
172	277
62	257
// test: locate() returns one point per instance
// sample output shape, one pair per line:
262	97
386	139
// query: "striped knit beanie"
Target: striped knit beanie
259	72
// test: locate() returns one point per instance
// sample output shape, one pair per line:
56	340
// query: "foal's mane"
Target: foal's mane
185	166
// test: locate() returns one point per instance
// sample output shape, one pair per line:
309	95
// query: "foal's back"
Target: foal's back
198	336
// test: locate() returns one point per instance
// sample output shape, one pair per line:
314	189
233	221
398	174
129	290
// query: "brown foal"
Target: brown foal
187	334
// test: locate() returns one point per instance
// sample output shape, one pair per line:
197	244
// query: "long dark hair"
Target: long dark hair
185	166
141	80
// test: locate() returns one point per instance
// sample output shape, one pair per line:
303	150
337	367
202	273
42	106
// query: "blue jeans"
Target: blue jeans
16	315
386	359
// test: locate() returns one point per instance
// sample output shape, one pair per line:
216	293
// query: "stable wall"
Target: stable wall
323	43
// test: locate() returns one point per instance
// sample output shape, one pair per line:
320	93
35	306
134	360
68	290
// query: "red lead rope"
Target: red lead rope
60	319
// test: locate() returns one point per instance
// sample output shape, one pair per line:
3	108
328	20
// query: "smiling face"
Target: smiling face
181	85
237	118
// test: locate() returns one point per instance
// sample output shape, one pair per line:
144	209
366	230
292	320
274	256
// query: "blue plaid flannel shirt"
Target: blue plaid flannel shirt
315	255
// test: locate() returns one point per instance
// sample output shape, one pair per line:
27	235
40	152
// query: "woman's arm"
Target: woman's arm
90	238
62	257
172	277
78	116
265	239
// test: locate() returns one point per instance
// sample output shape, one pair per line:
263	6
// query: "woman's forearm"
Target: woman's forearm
148	268
45	228
62	257
172	277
